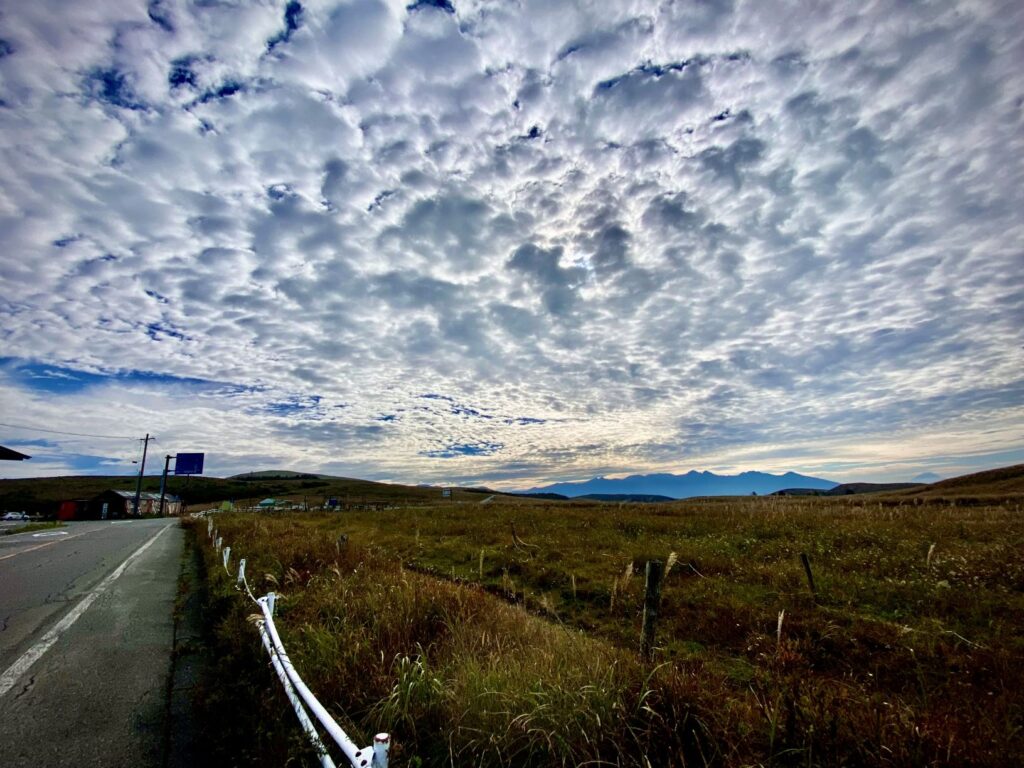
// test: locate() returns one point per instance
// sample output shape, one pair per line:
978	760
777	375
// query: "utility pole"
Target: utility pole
142	469
163	483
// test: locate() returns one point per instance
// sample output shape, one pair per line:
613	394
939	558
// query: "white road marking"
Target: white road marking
46	534
33	654
40	546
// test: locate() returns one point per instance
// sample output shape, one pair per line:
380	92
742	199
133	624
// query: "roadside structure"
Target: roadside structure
117	505
9	454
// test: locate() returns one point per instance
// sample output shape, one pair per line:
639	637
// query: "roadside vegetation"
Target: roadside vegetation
31	527
506	633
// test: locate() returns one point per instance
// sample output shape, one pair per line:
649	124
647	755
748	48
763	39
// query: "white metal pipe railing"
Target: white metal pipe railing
298	693
375	755
304	721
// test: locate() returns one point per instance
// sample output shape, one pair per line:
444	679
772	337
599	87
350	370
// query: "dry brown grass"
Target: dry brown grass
911	655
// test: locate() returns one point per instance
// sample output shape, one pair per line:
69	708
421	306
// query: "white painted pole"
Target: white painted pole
381	747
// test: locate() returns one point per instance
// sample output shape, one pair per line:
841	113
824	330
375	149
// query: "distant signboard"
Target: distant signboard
332	502
446	493
189	464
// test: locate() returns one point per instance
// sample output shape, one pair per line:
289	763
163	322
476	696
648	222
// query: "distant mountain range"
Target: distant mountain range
693	483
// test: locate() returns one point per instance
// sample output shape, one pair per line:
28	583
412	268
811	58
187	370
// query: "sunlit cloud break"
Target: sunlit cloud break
512	243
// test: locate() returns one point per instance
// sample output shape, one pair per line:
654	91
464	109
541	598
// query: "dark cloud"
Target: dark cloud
558	285
730	162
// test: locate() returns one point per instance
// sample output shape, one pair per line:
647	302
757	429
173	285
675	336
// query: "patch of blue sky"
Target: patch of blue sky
435	396
226	90
87	464
308	407
292	21
64	380
111	86
156	330
458	409
456	450
31	442
442	5
64	242
465	410
182	73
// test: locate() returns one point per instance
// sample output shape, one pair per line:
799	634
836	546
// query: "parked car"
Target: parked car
16	516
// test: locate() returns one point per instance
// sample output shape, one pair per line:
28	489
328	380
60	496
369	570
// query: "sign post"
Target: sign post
184	464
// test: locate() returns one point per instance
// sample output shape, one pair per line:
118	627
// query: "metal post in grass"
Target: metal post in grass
810	576
652	598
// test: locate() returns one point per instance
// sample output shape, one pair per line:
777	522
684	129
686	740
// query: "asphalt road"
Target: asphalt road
86	635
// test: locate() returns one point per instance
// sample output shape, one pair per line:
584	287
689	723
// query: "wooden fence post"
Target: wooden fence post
810	576
652	598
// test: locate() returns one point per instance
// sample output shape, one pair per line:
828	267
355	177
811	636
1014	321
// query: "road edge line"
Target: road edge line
14	672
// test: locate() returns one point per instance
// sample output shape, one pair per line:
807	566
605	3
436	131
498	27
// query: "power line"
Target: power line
76	434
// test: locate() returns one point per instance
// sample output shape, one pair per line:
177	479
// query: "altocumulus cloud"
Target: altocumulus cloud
514	241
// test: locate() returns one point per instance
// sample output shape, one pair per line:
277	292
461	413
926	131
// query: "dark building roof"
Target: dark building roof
6	454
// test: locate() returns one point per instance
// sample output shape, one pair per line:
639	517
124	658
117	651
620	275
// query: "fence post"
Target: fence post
810	576
381	747
652	597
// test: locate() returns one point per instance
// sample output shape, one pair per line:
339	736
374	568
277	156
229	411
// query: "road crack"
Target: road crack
26	688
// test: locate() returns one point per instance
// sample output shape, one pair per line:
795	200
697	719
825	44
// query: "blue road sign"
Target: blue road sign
189	464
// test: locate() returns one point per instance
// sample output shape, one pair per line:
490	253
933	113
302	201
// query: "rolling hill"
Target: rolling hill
42	495
1005	482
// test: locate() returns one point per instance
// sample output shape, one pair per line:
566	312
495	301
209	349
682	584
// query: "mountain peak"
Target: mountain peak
693	483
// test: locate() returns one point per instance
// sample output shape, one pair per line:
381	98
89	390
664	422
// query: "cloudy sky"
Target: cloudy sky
511	242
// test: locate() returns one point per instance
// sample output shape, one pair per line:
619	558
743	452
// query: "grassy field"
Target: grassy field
473	644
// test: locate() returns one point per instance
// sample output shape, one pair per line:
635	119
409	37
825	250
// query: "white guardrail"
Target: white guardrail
301	698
